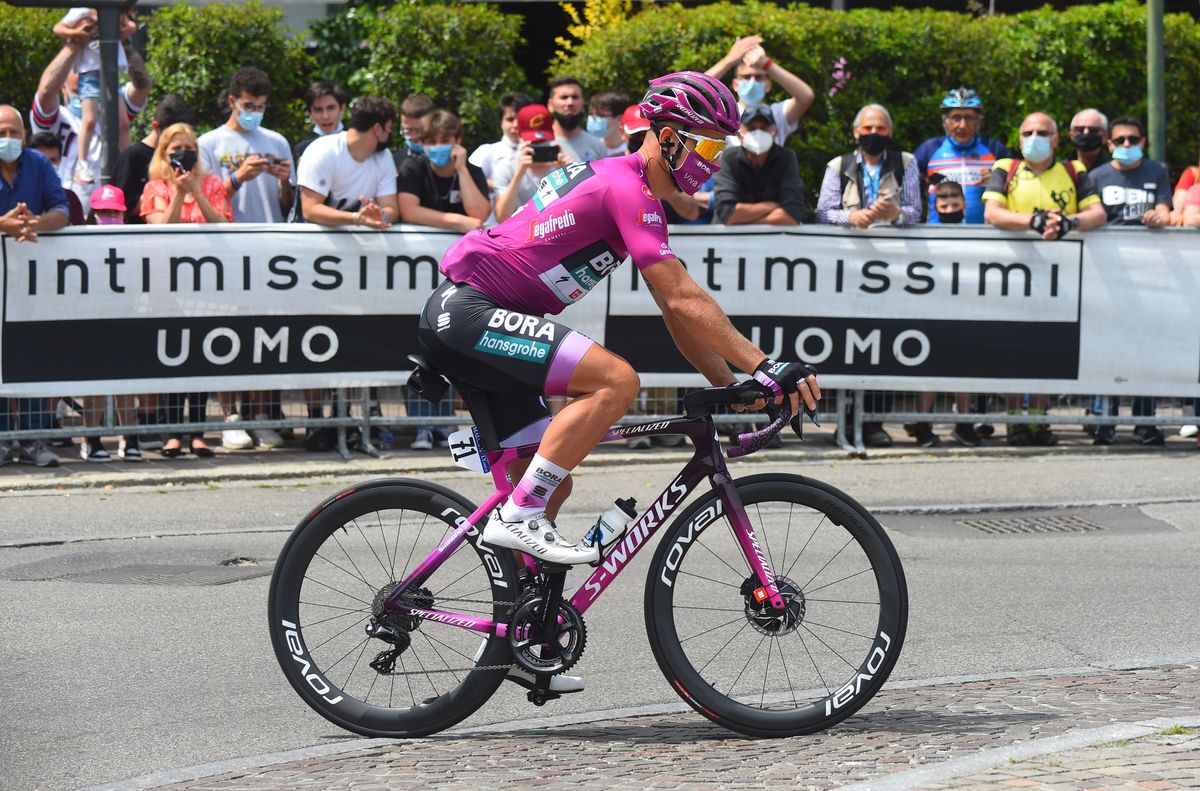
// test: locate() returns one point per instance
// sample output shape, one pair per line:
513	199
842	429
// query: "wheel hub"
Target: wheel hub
769	621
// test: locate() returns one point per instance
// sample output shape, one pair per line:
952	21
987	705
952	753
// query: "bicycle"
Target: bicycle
459	615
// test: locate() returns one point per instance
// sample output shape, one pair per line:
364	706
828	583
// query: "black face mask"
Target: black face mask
874	143
570	123
950	217
381	145
184	159
1088	142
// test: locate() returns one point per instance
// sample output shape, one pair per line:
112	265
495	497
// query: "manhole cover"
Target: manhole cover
1032	524
171	575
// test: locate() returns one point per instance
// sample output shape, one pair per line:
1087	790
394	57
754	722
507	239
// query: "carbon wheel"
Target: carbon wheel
777	673
328	587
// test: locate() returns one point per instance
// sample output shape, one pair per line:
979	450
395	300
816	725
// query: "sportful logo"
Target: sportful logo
646	191
649	218
512	347
550	226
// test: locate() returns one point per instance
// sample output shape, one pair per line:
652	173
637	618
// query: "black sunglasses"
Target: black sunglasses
1132	140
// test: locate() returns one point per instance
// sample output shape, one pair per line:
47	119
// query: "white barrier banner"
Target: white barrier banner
113	310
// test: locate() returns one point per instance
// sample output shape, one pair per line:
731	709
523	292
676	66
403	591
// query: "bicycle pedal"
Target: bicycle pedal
538	697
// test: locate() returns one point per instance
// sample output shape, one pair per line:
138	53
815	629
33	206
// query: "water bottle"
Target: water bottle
611	525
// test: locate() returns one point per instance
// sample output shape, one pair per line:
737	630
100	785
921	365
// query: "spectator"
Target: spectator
349	178
604	121
1089	135
566	105
1134	191
55	110
50	147
180	188
961	155
412	113
489	156
875	184
759	181
517	178
79	25
133	164
1191	210
752	82
253	162
325	104
439	187
1050	197
1188	179
31	201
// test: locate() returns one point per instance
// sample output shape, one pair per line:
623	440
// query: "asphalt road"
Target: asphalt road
110	681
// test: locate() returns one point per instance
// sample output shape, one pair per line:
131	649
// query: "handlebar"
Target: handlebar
747	393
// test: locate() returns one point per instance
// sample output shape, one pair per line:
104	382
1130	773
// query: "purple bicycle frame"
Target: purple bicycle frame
707	462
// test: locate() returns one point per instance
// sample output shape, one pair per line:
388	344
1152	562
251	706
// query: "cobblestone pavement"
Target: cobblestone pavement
908	726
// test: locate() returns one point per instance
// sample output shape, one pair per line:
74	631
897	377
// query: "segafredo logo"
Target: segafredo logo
649	218
550	227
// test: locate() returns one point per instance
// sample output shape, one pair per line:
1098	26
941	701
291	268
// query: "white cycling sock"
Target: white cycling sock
540	480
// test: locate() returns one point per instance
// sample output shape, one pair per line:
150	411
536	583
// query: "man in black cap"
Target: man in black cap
759	181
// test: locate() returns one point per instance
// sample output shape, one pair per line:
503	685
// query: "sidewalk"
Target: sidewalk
1075	728
291	461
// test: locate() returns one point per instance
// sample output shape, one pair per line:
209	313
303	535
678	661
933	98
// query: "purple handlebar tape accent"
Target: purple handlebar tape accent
757	440
569	353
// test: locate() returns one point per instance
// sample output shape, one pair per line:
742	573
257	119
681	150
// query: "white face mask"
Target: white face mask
758	142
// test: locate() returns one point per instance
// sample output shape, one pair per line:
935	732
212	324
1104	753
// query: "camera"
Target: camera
545	152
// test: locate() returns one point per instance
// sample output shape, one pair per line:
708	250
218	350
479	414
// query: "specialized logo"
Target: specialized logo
512	347
649	218
551	227
512	321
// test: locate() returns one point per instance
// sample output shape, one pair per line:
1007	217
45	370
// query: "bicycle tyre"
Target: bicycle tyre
679	597
335	546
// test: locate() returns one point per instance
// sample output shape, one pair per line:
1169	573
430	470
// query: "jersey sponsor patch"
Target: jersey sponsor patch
512	347
563	284
559	183
522	323
647	217
551	227
646	191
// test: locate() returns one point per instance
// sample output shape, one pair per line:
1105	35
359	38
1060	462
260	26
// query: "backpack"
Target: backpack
1067	164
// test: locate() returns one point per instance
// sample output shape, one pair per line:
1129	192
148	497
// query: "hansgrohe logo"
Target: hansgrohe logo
510	346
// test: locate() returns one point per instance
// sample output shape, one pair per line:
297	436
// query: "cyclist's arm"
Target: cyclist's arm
705	360
697	317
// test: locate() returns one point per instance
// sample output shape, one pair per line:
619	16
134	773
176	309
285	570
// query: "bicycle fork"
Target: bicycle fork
767	591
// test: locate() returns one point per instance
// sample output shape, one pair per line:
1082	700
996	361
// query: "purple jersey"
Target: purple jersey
584	221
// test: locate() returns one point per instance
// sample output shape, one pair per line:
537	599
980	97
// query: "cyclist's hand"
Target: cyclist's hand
795	380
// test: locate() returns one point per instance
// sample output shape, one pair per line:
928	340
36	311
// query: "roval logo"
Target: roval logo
696	526
319	685
540	229
848	692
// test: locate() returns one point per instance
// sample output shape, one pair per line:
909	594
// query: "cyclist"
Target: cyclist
488	327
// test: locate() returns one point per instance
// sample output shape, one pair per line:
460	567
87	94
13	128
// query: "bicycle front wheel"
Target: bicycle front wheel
766	673
330	581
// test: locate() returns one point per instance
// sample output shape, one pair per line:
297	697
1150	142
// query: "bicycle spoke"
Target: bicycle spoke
766	673
813	534
816	636
329	669
311	624
413	548
361	576
737	574
762	530
737	587
814	663
399	522
715	628
843	579
840	601
748	661
391	562
787	535
849	541
713	609
371	547
314	649
331	606
353	667
347	573
811	622
336	590
788	677
727	642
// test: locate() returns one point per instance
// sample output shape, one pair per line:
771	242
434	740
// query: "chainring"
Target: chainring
542	658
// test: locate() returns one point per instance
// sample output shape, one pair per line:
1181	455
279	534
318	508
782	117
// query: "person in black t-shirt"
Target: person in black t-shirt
440	187
133	164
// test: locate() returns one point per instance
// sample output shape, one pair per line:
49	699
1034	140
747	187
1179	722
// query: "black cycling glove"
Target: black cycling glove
781	378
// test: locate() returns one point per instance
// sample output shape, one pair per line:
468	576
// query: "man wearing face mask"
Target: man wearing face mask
876	184
566	105
962	156
604	121
349	178
755	75
439	187
1089	135
759	181
31	198
255	162
413	110
517	178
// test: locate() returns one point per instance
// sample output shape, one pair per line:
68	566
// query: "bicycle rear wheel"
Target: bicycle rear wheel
755	671
334	572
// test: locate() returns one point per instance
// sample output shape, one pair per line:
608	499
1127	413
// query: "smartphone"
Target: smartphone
545	153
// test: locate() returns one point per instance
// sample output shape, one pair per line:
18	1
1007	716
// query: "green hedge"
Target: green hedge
28	43
193	51
1055	61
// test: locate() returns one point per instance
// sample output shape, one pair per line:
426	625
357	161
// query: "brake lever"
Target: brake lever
798	425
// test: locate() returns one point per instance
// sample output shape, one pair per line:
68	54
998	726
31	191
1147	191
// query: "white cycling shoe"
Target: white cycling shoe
563	685
536	536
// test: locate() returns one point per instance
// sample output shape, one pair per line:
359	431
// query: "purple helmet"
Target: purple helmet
694	99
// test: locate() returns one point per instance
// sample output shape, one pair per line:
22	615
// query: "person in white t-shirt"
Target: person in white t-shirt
256	163
752	82
489	156
349	178
56	109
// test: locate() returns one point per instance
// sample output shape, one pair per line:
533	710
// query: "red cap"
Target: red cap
109	197
632	120
534	123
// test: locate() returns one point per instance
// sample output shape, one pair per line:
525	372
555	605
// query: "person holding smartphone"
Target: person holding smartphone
516	179
180	189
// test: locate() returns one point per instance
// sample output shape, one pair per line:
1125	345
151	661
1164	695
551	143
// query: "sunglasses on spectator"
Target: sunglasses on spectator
706	148
1132	140
1086	129
1038	132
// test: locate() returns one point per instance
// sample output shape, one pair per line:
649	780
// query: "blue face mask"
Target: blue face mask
751	92
597	125
1130	155
414	146
10	149
249	121
76	105
1035	148
439	156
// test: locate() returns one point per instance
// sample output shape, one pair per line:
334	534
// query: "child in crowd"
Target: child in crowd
79	23
949	202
